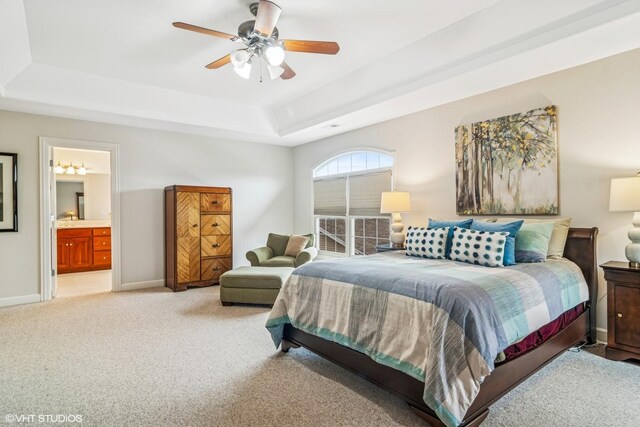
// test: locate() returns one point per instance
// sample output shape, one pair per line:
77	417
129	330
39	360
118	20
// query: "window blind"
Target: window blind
330	197
365	192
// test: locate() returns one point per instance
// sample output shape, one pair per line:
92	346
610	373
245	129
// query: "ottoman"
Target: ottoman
252	285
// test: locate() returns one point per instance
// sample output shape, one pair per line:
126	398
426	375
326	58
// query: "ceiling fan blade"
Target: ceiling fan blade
219	62
206	31
266	18
310	46
288	72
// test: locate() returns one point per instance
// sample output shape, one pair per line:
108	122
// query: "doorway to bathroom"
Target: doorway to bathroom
79	218
83	221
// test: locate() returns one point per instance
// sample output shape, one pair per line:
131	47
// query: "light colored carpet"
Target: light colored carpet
159	358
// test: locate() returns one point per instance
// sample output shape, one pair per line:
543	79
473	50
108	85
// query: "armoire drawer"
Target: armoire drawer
215	202
215	245
212	269
215	225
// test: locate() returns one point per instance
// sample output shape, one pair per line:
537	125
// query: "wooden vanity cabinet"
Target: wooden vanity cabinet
77	249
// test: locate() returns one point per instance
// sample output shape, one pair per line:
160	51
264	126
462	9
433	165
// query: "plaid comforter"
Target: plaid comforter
441	322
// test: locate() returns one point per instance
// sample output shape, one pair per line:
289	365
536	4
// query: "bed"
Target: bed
392	374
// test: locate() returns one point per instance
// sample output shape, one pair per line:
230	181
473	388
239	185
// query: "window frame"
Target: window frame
349	219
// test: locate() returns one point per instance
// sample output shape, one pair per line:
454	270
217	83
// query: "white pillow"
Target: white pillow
479	247
427	242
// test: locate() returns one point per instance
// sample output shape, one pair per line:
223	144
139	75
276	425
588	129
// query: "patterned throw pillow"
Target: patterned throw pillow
463	223
479	247
427	242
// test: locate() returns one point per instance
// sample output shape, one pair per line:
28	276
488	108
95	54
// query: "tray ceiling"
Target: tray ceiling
122	62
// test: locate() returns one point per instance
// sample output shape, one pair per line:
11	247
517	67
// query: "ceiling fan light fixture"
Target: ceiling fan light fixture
243	70
275	54
239	57
275	71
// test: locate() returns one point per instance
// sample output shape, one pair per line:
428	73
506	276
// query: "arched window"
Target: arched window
347	192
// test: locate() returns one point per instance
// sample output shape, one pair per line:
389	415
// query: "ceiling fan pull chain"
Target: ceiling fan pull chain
260	69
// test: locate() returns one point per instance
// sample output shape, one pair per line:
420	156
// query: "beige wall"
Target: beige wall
259	174
598	139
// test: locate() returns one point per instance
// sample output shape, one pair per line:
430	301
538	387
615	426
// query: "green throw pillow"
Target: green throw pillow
532	241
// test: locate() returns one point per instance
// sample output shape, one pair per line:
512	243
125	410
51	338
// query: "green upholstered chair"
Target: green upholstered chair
272	255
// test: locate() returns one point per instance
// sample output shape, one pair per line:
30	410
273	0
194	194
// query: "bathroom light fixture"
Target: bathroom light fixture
70	169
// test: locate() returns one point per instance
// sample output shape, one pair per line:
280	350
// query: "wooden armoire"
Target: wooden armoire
198	235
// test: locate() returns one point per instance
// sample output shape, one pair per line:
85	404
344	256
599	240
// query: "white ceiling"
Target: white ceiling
122	62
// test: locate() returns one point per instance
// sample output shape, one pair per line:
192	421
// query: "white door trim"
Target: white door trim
46	145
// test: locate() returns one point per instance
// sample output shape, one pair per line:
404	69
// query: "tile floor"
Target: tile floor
90	282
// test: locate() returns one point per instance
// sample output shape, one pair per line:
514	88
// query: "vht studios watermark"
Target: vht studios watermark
42	418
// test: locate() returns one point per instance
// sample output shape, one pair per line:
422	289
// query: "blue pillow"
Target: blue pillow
510	227
465	223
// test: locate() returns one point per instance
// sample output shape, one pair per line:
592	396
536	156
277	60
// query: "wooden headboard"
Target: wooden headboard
581	248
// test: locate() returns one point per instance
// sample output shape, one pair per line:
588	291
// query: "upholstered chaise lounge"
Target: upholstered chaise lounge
273	254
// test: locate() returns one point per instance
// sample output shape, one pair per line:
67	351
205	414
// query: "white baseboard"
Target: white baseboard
142	285
24	299
601	335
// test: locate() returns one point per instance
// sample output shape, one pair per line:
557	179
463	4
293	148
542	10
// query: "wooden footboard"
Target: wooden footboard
504	378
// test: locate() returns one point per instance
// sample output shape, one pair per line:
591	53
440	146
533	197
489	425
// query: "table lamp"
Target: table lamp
625	197
396	202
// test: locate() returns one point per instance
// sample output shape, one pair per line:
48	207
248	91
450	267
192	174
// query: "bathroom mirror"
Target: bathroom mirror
80	205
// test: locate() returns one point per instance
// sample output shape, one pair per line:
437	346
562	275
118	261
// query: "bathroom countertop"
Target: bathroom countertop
82	223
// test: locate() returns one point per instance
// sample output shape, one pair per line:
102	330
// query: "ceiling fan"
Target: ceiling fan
260	40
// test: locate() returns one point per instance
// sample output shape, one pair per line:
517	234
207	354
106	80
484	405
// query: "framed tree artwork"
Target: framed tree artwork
8	192
508	165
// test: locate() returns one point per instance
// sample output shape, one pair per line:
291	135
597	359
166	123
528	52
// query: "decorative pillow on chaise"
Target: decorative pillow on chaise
511	227
295	245
427	242
485	248
532	242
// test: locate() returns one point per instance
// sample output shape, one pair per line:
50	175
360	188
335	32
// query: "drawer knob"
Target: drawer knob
215	224
215	202
619	314
216	268
67	244
215	245
104	257
104	243
194	225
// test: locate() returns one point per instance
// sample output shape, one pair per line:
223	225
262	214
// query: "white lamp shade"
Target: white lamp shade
275	55
239	57
244	70
625	194
395	202
274	71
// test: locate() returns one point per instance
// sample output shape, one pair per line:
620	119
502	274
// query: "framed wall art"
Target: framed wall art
8	192
508	165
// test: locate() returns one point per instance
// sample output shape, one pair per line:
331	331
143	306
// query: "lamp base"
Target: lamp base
397	234
632	251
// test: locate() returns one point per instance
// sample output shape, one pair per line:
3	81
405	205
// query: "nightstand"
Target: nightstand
623	310
387	248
